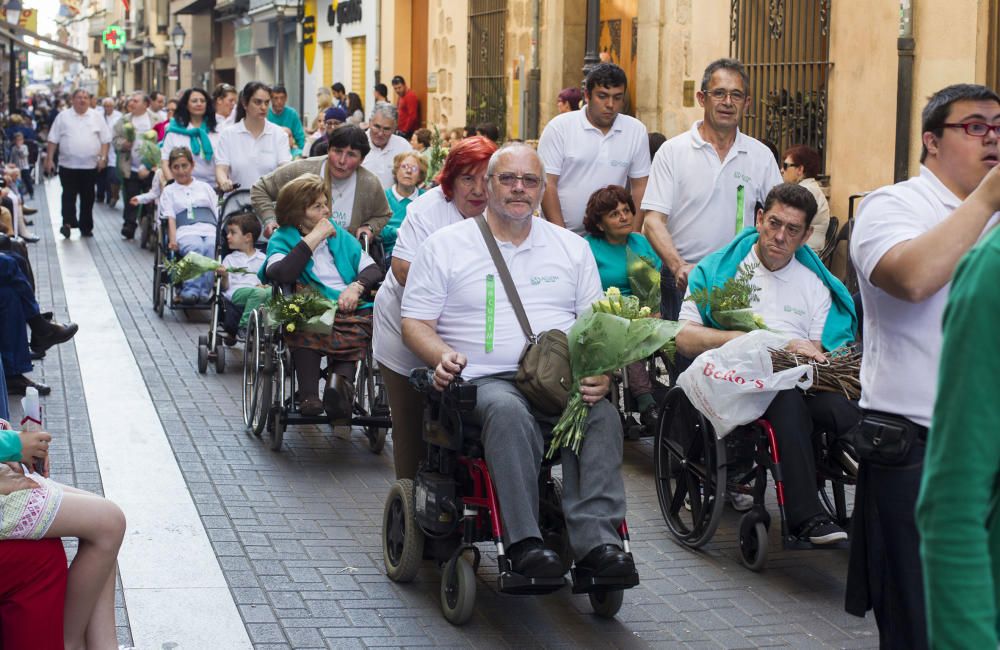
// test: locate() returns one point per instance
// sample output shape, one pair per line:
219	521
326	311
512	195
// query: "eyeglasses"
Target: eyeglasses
510	179
775	225
786	165
409	168
381	129
720	94
975	129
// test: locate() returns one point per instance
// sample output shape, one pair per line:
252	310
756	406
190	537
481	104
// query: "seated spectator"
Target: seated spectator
421	142
488	130
608	221
10	199
359	204
312	250
192	212
409	171
20	157
241	292
797	296
33	507
18	308
569	99
801	165
445	316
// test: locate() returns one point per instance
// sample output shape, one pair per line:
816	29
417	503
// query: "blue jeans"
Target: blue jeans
4	413
17	306
201	286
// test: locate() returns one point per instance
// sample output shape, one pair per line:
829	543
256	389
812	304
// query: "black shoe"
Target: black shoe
607	561
87	233
311	406
31	239
128	234
821	530
650	418
20	384
37	356
65	231
530	558
43	338
28	210
29	222
338	398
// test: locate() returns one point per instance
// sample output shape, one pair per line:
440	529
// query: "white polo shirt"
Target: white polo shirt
79	138
204	170
698	192
902	341
427	214
585	159
248	157
379	161
792	300
553	270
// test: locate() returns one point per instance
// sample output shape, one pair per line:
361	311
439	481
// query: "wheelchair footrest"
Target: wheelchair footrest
519	584
584	582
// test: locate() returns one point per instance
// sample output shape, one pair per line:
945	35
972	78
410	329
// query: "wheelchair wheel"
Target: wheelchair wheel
256	382
606	603
370	399
203	354
753	543
458	590
689	464
402	539
276	400
145	228
161	300
552	522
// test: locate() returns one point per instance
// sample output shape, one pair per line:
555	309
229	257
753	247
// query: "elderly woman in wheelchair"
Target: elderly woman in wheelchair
311	251
798	297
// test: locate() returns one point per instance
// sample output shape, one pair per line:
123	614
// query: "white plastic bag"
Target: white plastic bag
734	384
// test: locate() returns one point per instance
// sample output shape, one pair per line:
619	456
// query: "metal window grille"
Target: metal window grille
486	100
785	46
993	45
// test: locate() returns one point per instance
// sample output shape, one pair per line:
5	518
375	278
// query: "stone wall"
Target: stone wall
448	24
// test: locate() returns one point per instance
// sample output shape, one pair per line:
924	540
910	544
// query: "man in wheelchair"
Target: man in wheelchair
459	320
796	296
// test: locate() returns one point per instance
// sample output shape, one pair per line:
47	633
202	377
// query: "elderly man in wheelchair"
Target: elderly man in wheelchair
458	319
796	296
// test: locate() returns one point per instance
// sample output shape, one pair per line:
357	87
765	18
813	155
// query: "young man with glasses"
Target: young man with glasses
907	242
589	149
796	296
385	144
704	184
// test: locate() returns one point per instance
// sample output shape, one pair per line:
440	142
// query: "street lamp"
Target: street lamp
148	51
279	8
13	10
177	36
123	59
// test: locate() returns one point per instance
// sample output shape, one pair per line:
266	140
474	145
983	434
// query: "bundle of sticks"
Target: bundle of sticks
841	373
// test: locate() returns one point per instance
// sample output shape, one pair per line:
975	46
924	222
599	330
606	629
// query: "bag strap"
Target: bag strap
508	282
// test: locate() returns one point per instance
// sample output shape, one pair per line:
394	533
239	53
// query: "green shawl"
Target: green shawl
200	144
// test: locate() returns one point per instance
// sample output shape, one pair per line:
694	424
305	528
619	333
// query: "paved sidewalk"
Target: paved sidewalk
298	532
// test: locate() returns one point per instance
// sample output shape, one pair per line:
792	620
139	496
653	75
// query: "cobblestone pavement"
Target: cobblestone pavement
298	532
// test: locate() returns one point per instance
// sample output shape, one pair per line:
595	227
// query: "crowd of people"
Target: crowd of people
563	221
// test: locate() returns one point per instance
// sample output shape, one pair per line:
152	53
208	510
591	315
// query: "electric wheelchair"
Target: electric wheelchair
270	398
694	470
452	505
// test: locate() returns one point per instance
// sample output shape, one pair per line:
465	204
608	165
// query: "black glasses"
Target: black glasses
786	165
510	179
975	129
720	94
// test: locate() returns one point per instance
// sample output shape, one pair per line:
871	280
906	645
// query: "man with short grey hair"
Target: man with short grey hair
449	323
385	144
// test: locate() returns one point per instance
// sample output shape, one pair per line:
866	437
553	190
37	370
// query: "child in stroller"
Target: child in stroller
241	292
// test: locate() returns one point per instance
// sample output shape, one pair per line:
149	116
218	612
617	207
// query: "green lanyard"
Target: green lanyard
491	309
739	209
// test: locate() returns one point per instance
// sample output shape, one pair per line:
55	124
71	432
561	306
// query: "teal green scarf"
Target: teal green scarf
199	138
344	248
715	269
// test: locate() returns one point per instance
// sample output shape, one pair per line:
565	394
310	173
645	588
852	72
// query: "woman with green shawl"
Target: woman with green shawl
193	127
312	252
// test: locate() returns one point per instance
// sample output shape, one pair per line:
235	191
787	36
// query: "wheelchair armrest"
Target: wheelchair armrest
459	397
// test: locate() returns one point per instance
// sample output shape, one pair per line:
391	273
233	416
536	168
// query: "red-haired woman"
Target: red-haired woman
801	165
461	193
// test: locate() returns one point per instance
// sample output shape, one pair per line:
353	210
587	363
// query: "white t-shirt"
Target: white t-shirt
176	197
342	199
553	270
79	138
141	124
792	300
585	160
902	340
223	123
379	161
240	260
697	191
203	170
250	158
427	214
324	268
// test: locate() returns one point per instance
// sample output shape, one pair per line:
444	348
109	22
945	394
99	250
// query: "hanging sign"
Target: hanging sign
309	34
113	37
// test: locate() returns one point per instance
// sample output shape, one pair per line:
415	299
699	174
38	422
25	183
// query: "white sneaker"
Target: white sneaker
740	502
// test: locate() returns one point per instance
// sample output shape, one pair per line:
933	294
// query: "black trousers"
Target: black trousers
795	416
78	183
671	299
133	186
105	179
884	572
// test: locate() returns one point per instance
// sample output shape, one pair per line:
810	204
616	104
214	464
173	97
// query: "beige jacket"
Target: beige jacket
370	206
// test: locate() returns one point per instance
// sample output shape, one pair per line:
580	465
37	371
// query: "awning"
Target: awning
193	6
51	48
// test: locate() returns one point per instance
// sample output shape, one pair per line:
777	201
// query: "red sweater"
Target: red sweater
409	112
